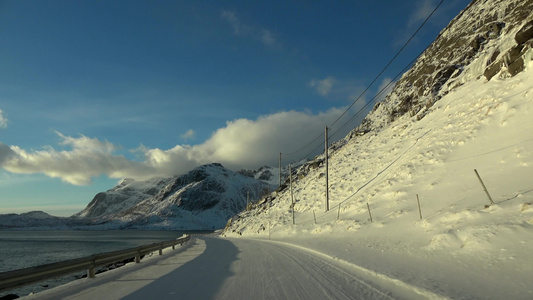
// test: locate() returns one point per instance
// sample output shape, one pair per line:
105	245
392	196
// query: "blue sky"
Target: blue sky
95	91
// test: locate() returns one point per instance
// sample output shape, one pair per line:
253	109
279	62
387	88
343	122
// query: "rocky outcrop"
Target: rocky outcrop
514	59
488	38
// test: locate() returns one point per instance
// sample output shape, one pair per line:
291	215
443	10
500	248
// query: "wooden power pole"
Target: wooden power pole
327	171
280	169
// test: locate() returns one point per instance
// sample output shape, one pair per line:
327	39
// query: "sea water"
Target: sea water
23	249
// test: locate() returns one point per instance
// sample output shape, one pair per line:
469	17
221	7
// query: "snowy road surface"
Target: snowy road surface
215	268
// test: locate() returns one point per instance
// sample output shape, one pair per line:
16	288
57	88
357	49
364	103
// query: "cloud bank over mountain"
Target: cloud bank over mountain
242	143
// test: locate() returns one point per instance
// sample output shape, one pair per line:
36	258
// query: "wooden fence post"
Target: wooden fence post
484	187
419	209
369	213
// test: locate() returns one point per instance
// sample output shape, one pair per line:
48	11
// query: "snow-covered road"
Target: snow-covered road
216	268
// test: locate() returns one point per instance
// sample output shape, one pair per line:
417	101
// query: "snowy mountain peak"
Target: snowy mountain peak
204	198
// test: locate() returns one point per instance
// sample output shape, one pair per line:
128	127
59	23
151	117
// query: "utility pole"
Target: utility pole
292	196
280	169
327	170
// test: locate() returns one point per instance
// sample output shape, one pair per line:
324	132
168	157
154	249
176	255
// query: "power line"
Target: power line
390	62
380	92
373	81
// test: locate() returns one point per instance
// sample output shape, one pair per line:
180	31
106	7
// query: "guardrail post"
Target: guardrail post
161	249
138	256
90	272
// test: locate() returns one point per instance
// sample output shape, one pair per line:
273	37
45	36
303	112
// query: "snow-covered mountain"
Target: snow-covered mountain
205	198
465	105
122	197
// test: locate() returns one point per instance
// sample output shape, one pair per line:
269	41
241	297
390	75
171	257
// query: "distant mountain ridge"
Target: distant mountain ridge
202	199
34	219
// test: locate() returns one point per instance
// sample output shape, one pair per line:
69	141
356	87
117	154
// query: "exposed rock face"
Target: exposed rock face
488	38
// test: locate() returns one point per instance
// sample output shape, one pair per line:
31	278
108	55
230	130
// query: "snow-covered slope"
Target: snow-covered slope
203	199
423	143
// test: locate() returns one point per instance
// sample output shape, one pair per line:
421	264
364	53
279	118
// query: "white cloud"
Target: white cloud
423	10
190	134
242	143
323	86
3	120
387	85
267	38
343	90
238	27
244	30
87	158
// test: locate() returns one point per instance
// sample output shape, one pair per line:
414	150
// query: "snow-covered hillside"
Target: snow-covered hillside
426	148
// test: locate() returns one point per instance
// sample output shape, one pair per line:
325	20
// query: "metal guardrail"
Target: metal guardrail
25	276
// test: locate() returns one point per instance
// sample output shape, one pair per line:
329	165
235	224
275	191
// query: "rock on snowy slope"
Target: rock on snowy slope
204	198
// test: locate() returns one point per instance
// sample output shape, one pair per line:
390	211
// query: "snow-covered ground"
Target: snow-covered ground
463	247
213	268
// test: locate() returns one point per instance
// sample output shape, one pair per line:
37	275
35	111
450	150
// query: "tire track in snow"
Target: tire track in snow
287	273
372	279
